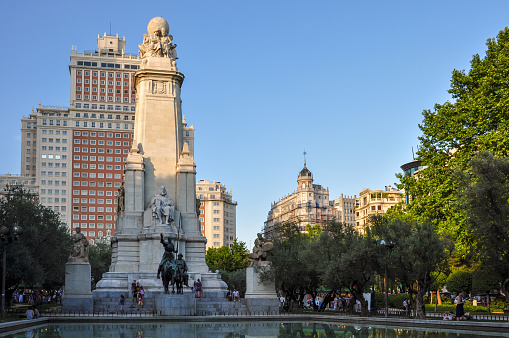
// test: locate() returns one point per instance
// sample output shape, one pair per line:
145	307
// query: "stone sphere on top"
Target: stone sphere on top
158	24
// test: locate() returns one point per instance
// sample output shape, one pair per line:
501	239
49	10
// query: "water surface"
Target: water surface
237	329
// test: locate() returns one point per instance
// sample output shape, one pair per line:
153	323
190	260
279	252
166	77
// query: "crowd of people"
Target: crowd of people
37	297
138	295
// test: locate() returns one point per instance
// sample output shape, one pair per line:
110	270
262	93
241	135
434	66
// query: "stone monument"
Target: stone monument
77	293
159	188
260	295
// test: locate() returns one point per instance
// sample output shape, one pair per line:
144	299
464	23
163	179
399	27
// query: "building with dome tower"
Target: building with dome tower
309	204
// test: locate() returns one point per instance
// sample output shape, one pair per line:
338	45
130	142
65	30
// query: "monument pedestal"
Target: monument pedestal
260	296
77	293
175	304
158	195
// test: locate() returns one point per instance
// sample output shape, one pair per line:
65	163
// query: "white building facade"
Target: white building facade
217	213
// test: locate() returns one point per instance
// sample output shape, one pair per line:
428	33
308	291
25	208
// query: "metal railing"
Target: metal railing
394	313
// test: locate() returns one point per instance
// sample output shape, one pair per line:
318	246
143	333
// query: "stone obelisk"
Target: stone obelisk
159	189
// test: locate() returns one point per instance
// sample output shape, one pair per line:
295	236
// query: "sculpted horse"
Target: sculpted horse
168	276
179	280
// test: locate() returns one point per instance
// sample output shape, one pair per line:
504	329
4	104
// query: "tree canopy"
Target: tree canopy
341	259
100	260
484	196
418	254
228	259
39	257
453	132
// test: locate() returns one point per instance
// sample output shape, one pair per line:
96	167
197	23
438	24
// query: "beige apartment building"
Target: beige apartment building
344	209
309	204
27	182
217	213
374	202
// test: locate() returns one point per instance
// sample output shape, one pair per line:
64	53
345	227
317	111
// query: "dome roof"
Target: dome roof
305	172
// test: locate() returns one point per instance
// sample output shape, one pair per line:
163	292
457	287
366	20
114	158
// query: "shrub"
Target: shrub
498	304
393	301
452	308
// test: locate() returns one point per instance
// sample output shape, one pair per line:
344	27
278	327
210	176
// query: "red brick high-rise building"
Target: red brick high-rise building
77	154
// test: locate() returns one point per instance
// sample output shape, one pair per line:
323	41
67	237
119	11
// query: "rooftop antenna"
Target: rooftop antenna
413	155
304	156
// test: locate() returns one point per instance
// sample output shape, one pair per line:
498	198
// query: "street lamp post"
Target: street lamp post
386	293
7	236
387	246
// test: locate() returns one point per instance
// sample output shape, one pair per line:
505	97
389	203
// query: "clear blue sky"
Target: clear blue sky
346	80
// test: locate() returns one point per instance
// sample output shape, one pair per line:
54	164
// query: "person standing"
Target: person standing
197	288
133	291
141	294
122	303
460	311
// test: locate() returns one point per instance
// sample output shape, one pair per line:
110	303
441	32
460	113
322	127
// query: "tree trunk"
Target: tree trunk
364	303
420	309
364	307
328	298
439	298
488	301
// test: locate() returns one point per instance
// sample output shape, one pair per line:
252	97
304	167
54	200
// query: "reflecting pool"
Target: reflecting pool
237	329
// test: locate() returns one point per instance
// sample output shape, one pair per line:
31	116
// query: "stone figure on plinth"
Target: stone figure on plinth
158	43
168	257
261	248
80	247
163	208
77	296
121	199
182	269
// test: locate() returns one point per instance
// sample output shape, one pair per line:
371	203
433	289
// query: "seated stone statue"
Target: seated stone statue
162	207
80	247
260	250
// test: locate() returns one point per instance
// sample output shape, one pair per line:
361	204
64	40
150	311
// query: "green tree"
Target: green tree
476	120
352	259
293	264
235	280
228	259
100	260
313	230
485	279
459	280
39	257
484	197
418	256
